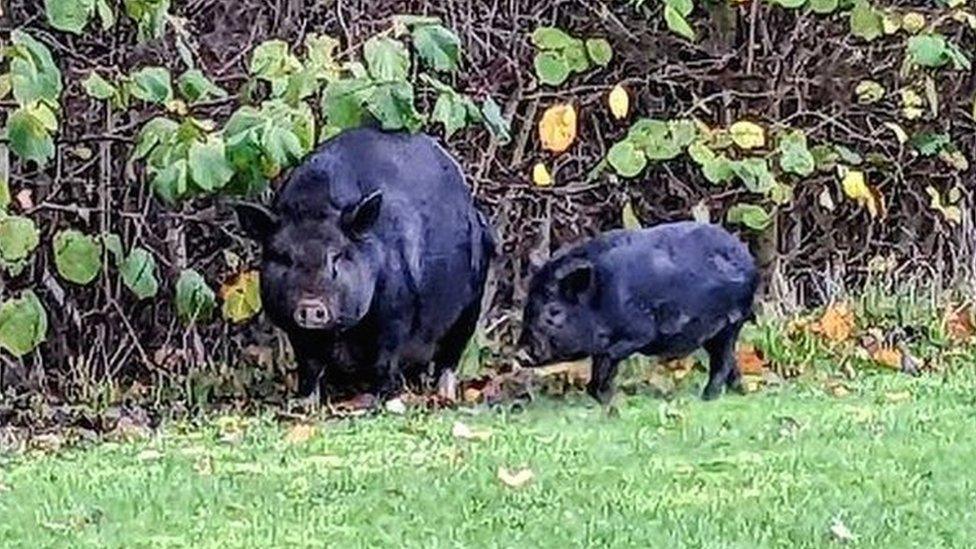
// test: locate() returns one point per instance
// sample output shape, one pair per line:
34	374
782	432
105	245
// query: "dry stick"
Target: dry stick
750	56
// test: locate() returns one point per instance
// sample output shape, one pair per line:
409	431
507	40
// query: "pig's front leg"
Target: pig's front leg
388	381
601	386
309	383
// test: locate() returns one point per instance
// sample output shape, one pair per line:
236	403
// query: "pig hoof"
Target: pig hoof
737	387
711	392
611	411
306	404
447	389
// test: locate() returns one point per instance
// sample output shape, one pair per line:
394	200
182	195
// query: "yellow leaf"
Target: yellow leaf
950	212
747	135
913	22
856	188
629	218
887	357
836	324
898	131
242	296
557	129
540	175
515	480
963	16
619	102
300	432
890	23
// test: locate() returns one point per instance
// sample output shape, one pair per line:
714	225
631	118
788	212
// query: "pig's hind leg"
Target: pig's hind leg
722	369
451	347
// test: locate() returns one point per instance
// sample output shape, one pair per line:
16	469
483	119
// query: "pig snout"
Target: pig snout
312	314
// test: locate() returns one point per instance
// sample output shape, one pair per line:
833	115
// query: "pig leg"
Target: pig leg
450	349
387	381
601	386
722	369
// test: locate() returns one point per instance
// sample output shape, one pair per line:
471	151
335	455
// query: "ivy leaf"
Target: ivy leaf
139	273
392	105
343	102
153	133
628	218
747	135
150	15
791	4
439	47
194	299
98	88
823	7
23	324
795	157
499	127
626	159
29	130
172	182
242	297
272	61
929	144
865	21
752	216
451	111
320	56
113	243
677	23
152	85
4	195
869	91
33	74
77	256
551	68
387	59
105	13
194	86
69	15
18	238
551	38
599	51
755	174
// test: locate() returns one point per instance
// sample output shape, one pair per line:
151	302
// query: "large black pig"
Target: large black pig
664	291
374	258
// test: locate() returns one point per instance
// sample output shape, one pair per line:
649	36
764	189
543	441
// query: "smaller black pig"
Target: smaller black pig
664	291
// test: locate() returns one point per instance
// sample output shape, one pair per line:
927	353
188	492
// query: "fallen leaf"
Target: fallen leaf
462	431
959	324
836	323
540	175
838	390
856	188
900	134
299	433
471	395
241	296
840	531
517	479
149	455
747	135
557	128
750	363
619	102
395	406
628	217
899	396
887	357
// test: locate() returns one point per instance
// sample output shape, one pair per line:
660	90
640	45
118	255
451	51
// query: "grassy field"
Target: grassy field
888	465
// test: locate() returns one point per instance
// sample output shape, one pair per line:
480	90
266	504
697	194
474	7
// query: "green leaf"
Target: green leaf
929	144
113	243
599	51
4	194
755	174
451	111
5	85
677	23
928	50
208	164
627	159
98	88
576	58
194	299
869	91
105	13
150	15
153	133
683	7
69	15
343	102
194	86
139	273
18	238
825	157
791	4
551	38
865	21
438	47
77	256
551	68
272	61
392	105
823	7
499	127
242	297
171	182
683	132
719	169
752	216
320	54
33	74
387	59
795	157
152	84
30	134
848	156
23	324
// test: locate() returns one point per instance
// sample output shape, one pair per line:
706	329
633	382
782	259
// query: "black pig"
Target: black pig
663	291
374	257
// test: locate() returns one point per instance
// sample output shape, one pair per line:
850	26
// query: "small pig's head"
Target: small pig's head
318	272
559	319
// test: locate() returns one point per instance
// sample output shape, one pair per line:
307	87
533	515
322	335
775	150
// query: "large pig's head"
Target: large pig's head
318	272
558	321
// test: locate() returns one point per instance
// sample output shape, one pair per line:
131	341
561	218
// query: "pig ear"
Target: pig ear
256	220
575	279
362	216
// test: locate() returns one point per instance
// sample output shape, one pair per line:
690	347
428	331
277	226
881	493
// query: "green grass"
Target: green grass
893	461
